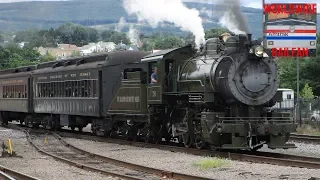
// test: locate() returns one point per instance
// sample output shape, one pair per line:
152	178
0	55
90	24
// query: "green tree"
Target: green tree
216	32
13	56
75	54
70	33
167	42
114	36
48	57
307	92
1	38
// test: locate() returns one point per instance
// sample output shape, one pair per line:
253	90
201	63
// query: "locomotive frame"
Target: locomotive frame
190	101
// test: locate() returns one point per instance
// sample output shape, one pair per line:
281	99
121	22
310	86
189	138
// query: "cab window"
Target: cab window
154	73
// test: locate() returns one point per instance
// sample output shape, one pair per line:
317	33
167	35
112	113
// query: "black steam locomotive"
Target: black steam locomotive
220	96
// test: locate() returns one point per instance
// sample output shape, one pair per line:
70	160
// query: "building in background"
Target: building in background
61	52
97	47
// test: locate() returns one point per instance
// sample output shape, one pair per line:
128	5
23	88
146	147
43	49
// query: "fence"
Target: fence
309	110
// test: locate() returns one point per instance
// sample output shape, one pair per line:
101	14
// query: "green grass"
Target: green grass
309	130
214	162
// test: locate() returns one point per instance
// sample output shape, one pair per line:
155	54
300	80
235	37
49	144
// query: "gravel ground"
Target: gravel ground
303	149
184	163
38	165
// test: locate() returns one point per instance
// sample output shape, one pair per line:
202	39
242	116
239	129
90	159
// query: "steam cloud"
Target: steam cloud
133	35
233	19
173	11
120	24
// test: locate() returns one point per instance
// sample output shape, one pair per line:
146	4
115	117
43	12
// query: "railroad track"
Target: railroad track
256	157
62	151
6	173
305	138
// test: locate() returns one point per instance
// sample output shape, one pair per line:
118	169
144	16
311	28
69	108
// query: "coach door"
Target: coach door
155	70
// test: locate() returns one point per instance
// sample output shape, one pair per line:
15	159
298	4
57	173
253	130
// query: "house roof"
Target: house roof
68	46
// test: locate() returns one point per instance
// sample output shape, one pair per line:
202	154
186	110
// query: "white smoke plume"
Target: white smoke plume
120	24
133	35
233	18
173	11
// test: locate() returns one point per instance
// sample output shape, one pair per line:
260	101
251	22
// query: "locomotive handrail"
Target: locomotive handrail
236	120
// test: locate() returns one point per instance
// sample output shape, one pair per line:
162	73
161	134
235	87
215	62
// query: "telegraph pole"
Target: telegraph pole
298	93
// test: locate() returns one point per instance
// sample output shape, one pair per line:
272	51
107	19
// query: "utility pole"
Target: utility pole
298	93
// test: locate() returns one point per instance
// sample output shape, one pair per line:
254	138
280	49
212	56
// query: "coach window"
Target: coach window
11	92
66	88
43	90
76	89
85	88
3	91
69	88
81	84
47	89
288	96
94	88
90	88
25	91
62	89
18	91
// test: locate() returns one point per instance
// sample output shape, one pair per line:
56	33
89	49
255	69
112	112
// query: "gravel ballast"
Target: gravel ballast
303	149
38	165
184	163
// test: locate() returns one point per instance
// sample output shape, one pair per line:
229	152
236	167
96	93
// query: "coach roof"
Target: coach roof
124	57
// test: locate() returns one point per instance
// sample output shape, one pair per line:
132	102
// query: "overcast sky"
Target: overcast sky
248	3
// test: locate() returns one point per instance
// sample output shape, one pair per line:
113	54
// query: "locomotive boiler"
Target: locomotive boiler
235	69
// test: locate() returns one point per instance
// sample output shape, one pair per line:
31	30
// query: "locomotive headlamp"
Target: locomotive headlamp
258	51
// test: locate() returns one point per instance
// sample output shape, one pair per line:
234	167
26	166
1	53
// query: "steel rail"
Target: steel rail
305	138
256	157
158	172
7	173
81	166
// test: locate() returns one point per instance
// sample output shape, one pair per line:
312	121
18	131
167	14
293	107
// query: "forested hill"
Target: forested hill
99	13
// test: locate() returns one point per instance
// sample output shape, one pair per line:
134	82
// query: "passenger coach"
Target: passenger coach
70	92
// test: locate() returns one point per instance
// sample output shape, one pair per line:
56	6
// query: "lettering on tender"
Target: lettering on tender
126	99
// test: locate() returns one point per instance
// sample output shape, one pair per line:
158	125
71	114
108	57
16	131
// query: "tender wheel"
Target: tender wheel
199	143
187	140
72	128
